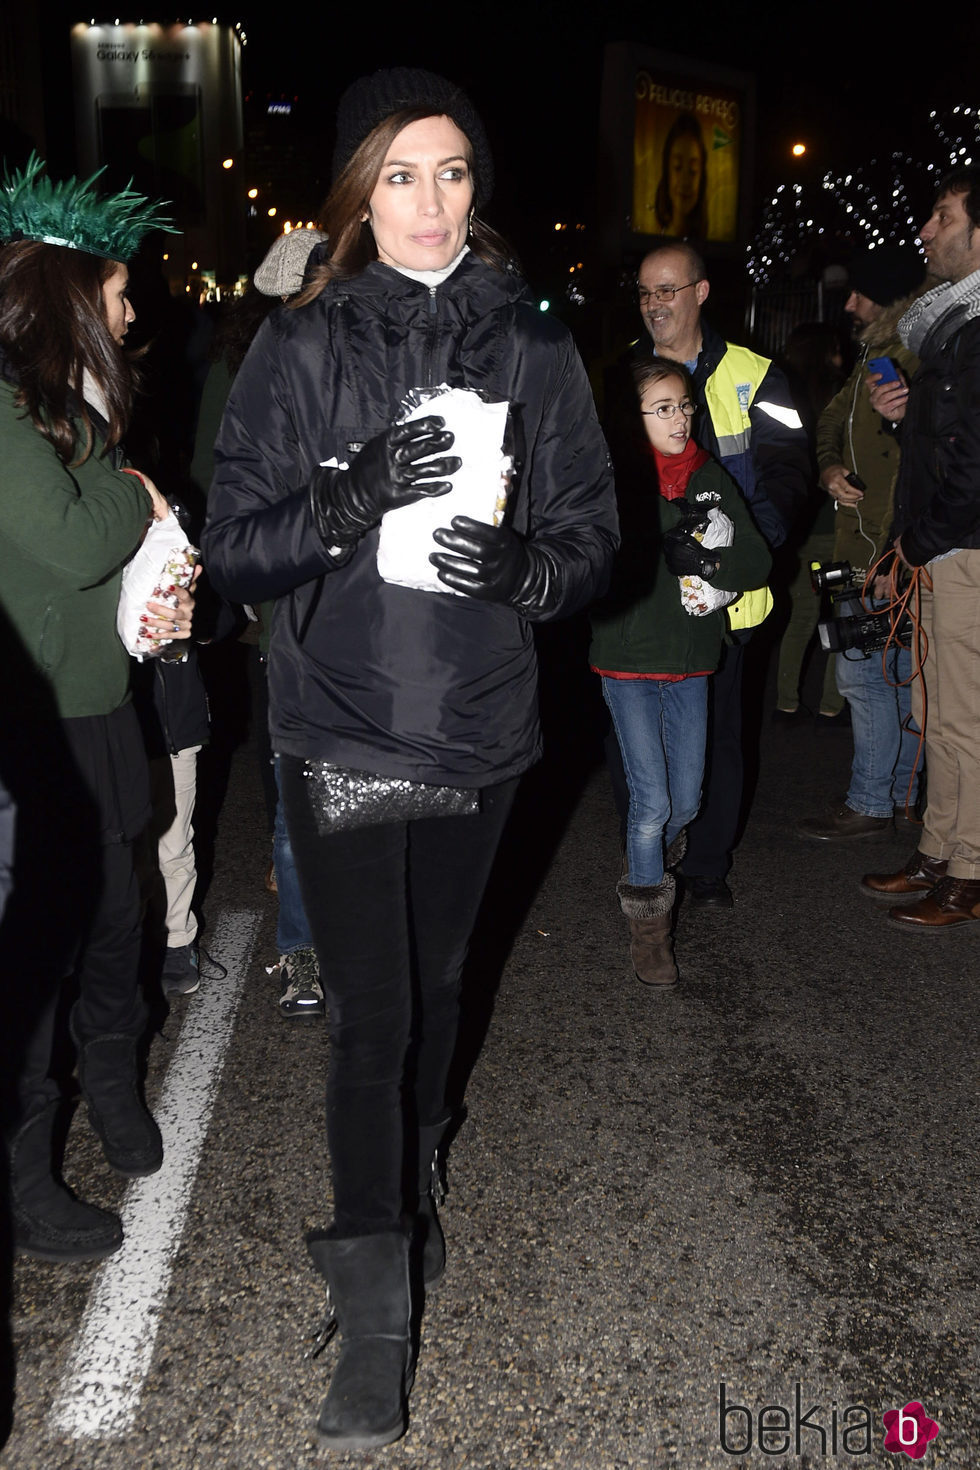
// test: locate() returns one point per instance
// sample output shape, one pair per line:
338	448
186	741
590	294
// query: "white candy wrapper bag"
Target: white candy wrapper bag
166	559
479	486
700	598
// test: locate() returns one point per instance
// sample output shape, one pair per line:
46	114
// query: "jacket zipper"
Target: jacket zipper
431	337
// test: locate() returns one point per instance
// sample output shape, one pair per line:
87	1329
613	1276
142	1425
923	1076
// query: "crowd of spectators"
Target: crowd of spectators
736	476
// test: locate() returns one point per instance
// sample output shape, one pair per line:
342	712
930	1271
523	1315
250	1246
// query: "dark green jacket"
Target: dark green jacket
64	536
641	627
852	434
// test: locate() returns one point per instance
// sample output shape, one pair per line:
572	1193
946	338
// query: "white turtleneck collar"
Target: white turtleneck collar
432	278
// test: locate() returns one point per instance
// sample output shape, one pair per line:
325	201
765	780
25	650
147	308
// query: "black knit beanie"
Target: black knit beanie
369	100
886	274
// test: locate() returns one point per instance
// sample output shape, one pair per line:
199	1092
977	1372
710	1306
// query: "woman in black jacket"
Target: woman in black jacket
391	704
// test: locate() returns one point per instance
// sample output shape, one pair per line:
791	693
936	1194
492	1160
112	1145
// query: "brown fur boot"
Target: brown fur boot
649	911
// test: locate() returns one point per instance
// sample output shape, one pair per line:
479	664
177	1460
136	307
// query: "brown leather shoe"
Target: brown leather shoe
952	901
920	875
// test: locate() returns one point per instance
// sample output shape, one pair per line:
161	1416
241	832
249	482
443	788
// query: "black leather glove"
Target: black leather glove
495	564
686	557
392	469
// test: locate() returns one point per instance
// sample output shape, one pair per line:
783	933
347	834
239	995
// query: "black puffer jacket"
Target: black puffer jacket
937	498
368	675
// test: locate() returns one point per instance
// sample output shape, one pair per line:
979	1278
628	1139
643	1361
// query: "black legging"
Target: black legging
82	799
391	909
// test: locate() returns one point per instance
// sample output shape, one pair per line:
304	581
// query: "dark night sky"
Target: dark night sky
836	76
844	79
847	79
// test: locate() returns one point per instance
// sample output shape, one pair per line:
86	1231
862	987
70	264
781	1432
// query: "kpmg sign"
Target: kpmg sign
161	104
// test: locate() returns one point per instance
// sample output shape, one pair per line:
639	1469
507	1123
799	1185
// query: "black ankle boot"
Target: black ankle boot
109	1080
49	1222
367	1403
432	1192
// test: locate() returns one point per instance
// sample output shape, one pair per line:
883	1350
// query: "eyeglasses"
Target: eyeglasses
667	410
662	293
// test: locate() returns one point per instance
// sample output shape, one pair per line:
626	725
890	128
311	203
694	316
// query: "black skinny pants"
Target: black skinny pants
82	798
391	909
712	836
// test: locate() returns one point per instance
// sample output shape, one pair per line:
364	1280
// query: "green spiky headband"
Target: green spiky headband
72	214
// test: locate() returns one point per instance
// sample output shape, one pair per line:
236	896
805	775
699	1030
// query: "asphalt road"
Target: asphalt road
765	1180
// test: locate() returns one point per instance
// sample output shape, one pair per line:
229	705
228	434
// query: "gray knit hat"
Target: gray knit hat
283	270
369	100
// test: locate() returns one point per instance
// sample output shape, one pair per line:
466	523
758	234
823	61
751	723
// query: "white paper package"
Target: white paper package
700	598
479	488
166	559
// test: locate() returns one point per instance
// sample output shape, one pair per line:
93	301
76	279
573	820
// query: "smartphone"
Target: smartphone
884	366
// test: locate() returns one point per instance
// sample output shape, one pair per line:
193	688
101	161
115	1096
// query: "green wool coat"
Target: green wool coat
641	627
65	533
850	433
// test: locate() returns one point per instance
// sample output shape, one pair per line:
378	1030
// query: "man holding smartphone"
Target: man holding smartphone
937	516
857	456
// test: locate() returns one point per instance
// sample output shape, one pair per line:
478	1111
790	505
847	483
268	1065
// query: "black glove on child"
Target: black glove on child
393	469
495	564
686	557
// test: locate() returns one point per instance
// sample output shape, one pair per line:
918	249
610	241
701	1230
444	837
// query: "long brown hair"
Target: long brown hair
342	216
52	325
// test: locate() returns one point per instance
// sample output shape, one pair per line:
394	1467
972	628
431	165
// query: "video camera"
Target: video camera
850	624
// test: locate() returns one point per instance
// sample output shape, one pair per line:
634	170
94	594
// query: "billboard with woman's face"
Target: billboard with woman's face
687	143
677	151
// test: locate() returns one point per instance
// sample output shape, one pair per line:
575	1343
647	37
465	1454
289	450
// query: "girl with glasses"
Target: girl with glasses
658	635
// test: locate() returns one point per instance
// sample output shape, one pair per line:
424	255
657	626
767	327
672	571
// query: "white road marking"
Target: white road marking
100	1389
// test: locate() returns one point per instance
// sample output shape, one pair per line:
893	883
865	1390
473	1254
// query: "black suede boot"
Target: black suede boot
432	1192
108	1077
367	1403
49	1223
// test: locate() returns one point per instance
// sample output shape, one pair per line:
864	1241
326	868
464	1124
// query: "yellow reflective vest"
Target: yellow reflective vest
729	393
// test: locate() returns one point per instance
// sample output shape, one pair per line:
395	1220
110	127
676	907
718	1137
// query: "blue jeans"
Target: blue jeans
292	929
661	728
886	755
